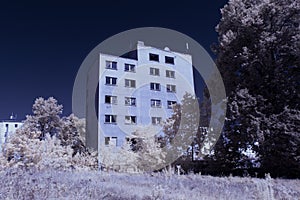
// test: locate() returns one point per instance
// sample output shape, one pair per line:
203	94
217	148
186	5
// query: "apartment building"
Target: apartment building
136	89
7	128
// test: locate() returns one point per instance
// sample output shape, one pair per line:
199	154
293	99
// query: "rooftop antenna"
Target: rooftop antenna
187	47
12	116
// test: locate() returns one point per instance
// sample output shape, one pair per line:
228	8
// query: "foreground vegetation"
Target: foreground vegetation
54	184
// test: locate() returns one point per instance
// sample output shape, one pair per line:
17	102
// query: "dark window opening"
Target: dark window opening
154	71
169	60
130	101
130	83
111	65
107	139
110	119
155	86
111	81
110	99
156	120
171	104
171	88
153	57
129	68
130	119
170	74
155	103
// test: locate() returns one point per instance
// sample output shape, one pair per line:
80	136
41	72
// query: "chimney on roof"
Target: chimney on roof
141	43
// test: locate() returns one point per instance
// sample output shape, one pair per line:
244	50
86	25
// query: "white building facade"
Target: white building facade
7	128
134	92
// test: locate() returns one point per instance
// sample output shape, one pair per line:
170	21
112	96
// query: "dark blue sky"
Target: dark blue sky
42	45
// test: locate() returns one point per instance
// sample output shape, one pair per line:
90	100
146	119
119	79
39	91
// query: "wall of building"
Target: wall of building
92	95
183	80
7	128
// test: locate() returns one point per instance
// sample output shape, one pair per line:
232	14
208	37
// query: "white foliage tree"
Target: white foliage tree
181	130
72	133
47	141
144	154
150	154
45	118
121	159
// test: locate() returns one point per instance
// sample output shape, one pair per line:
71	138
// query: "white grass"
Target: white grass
51	184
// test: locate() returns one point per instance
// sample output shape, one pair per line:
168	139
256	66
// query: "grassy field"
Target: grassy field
51	184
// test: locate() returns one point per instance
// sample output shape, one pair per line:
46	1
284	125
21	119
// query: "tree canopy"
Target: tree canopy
258	54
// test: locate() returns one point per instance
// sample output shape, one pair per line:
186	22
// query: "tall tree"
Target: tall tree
259	45
181	130
46	140
45	118
242	132
205	109
281	148
259	50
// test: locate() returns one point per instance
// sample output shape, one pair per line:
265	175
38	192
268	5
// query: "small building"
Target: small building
7	128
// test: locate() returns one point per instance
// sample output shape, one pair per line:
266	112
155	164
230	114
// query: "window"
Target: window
107	139
155	86
170	74
130	101
171	104
110	99
113	141
154	71
155	103
129	83
169	60
171	88
111	65
129	68
156	120
153	57
110	80
16	125
110	119
110	141
130	119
